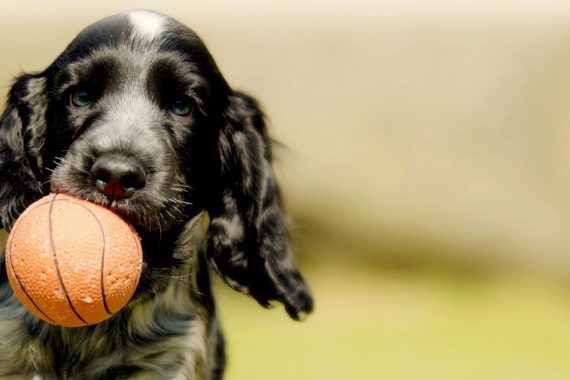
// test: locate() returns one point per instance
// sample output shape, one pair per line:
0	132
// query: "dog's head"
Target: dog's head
135	115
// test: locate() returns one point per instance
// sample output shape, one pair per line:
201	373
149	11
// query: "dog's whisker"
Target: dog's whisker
169	213
44	183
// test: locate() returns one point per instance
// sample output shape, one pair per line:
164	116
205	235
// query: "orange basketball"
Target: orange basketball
71	262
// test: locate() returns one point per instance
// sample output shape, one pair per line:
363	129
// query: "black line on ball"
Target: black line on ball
20	281
107	310
139	249
102	261
56	262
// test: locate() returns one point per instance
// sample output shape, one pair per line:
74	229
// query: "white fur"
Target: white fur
147	24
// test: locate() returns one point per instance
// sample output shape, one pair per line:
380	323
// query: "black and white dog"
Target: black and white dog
135	115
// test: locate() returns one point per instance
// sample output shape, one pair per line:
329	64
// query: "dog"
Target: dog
136	116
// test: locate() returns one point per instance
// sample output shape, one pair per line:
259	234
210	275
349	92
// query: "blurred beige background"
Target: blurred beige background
426	166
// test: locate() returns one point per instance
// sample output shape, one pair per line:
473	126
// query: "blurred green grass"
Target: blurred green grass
371	325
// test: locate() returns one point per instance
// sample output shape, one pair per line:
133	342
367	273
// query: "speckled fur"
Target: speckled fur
211	169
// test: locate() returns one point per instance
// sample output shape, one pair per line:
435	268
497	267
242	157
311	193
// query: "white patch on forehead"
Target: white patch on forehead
147	24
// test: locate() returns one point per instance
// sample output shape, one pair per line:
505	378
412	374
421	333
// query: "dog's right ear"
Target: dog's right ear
22	130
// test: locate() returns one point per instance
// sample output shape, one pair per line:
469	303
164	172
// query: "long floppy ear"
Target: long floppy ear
248	238
22	130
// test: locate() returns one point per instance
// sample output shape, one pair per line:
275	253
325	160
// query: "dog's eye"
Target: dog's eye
81	98
181	107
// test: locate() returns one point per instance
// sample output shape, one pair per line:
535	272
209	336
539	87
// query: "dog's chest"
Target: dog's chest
150	341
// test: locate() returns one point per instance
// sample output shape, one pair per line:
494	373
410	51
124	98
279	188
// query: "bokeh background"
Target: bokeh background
425	162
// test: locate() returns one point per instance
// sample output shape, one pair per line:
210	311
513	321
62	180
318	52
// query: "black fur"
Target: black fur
211	165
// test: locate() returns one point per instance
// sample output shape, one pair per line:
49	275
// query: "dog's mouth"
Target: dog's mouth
147	214
150	199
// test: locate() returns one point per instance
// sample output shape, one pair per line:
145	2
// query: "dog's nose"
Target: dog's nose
118	177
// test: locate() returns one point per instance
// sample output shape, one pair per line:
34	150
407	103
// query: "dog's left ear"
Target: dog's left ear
248	240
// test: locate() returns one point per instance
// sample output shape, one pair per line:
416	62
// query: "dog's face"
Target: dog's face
135	115
135	99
